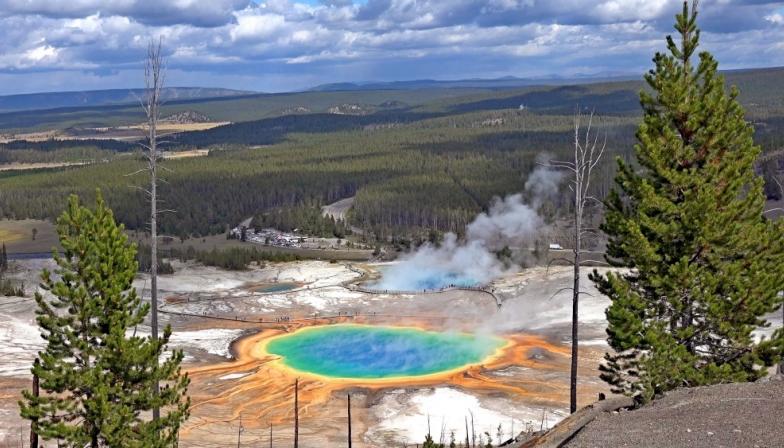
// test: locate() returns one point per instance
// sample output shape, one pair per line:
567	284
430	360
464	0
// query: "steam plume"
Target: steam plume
509	222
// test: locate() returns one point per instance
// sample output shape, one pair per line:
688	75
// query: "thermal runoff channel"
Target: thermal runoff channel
370	352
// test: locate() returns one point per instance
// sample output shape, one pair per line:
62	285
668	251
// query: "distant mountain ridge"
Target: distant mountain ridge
508	82
494	83
758	89
54	100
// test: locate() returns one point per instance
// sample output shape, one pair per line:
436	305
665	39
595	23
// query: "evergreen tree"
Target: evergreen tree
3	259
97	375
430	443
704	265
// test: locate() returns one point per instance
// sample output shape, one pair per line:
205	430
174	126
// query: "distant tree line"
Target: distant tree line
143	258
232	258
307	220
55	145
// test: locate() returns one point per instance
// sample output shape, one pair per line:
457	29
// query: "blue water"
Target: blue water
443	280
401	278
365	352
278	287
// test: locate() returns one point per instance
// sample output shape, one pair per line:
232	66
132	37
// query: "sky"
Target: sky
287	45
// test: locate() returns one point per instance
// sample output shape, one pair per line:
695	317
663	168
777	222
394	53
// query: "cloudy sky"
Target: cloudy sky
280	45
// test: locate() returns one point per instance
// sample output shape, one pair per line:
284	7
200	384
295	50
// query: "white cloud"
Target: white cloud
776	18
194	12
336	40
632	10
256	27
39	54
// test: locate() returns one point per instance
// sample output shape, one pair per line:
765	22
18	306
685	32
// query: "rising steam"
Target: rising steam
509	222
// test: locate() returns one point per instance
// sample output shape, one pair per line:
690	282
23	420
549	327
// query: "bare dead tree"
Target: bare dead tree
473	430
296	413
349	420
36	393
511	430
239	432
467	444
153	81
588	151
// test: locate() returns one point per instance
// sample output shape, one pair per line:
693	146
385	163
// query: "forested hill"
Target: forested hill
620	99
53	100
234	109
414	160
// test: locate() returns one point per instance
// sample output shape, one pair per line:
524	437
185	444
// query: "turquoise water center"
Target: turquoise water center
408	277
377	352
278	287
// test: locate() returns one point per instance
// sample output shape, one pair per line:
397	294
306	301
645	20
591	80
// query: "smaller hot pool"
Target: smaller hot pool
276	287
279	287
379	352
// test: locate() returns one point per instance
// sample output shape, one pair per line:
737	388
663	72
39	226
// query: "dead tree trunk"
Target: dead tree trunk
153	77
467	444
473	431
587	154
349	420
575	317
36	393
239	432
296	413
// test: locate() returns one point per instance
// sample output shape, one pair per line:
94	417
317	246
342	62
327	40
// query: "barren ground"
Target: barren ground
725	415
338	210
209	308
18	237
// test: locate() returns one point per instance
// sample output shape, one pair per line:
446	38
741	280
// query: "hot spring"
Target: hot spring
399	277
266	287
378	352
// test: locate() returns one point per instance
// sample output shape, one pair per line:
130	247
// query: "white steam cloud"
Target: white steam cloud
509	222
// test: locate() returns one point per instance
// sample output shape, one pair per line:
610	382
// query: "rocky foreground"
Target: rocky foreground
725	415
